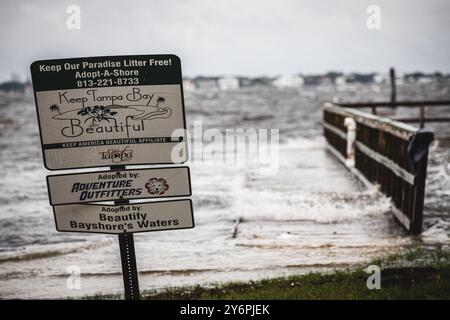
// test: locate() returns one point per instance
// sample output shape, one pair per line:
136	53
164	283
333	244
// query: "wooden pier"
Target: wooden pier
421	105
378	152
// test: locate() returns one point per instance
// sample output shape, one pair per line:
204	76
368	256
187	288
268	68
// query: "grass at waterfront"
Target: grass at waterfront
413	274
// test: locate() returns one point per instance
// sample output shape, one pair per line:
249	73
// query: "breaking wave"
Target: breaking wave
40	252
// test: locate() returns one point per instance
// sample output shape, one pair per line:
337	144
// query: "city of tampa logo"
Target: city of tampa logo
111	117
117	155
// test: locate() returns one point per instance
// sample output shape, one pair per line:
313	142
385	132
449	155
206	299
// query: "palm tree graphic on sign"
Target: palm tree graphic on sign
160	100
97	114
55	108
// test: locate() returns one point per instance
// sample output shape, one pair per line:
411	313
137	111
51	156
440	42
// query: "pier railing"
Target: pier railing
376	149
422	107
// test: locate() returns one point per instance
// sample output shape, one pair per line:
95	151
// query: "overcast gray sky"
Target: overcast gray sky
245	37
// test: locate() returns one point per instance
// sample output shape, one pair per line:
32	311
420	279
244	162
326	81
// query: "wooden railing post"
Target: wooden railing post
422	115
419	198
393	87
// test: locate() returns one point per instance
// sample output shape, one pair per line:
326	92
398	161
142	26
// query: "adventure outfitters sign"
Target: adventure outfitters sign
119	185
104	111
127	218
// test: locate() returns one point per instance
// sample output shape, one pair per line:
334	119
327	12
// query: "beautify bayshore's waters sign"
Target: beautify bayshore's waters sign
104	111
119	185
130	218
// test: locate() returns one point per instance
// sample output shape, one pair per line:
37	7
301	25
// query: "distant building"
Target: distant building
228	83
13	86
28	88
360	78
340	81
313	80
288	81
326	81
380	77
262	81
425	79
419	77
334	76
206	83
399	77
188	85
245	82
413	77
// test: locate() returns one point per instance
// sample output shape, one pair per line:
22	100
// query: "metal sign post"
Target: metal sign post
129	269
128	257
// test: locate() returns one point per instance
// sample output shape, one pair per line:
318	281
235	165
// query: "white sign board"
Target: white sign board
105	111
119	185
130	218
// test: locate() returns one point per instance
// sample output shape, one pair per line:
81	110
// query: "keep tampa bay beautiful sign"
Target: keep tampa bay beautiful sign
106	111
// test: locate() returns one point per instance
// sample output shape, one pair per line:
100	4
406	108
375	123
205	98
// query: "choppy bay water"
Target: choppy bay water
311	215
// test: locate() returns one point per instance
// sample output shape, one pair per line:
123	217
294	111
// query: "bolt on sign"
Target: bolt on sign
105	111
119	185
130	218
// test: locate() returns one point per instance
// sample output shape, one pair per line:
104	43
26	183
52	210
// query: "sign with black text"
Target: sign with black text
119	185
105	111
127	218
